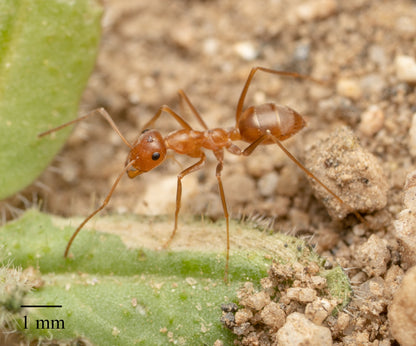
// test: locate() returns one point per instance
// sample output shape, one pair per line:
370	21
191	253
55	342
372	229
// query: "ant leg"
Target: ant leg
185	172
100	111
170	111
267	70
185	98
220	156
268	135
107	199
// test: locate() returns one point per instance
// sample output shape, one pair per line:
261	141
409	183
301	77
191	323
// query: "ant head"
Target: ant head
148	152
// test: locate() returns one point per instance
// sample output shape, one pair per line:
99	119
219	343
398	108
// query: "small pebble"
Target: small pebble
300	294
349	87
406	68
273	316
257	301
406	26
373	85
377	54
260	163
402	311
288	183
299	330
210	46
155	201
318	282
405	225
318	310
317	9
412	136
183	36
343	321
373	256
115	331
267	184
393	279
239	189
243	315
246	50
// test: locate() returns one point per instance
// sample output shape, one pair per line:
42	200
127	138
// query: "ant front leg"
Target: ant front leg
170	111
101	207
182	174
99	111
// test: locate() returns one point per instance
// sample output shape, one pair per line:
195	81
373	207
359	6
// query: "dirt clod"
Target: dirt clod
349	171
298	330
402	312
373	256
405	225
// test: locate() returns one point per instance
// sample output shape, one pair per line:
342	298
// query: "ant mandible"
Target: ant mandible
258	125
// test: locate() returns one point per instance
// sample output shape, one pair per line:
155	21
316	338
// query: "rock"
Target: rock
317	9
406	68
243	315
402	311
350	88
405	225
319	310
348	170
298	330
246	50
412	136
239	188
393	278
288	183
300	294
257	301
273	316
373	256
159	198
267	184
372	121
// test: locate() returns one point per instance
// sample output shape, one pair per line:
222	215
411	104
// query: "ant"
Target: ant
268	123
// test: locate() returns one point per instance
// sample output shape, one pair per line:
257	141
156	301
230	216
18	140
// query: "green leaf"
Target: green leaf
47	51
114	294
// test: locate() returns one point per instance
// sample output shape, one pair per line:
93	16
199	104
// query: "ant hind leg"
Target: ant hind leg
248	151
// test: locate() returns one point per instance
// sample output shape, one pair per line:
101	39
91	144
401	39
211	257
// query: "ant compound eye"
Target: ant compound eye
155	156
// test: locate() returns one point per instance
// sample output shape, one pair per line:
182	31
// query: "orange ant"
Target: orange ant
258	125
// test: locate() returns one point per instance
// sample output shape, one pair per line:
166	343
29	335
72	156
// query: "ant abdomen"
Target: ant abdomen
282	122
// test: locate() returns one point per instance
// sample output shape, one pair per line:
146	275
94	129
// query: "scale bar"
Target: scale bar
41	306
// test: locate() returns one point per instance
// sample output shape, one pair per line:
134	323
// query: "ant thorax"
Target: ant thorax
190	142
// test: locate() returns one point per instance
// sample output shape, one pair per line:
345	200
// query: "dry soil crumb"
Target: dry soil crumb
298	330
402	311
373	256
405	225
350	171
287	310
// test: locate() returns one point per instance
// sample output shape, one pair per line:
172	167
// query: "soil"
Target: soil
149	50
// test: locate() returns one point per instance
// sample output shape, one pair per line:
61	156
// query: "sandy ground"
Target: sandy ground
149	50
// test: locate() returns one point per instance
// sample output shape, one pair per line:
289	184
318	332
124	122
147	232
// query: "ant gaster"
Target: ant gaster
258	125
